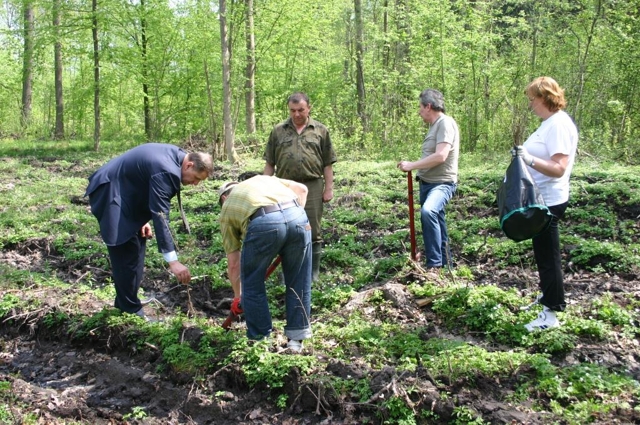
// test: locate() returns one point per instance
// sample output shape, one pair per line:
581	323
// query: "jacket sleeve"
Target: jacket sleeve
162	187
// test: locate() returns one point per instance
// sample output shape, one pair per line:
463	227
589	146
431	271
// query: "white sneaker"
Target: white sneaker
546	319
294	345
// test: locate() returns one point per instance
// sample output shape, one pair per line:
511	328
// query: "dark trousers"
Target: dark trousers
314	207
546	250
127	264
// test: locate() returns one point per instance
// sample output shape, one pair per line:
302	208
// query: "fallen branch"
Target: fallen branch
27	314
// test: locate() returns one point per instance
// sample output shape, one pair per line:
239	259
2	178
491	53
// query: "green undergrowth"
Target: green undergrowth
366	230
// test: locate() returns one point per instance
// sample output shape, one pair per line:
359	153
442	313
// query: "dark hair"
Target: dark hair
298	97
434	98
201	162
247	175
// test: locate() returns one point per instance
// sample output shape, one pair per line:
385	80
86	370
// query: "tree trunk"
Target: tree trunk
226	86
250	90
212	134
402	44
96	76
584	59
27	65
360	67
57	54
386	52
145	77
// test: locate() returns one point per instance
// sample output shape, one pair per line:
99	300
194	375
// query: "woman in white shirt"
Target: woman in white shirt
550	154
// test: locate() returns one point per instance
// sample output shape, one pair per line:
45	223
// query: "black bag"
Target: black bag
523	213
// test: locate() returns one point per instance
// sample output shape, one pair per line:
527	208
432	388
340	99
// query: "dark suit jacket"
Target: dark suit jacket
134	188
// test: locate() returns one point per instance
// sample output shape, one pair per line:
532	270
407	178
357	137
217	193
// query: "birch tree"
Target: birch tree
226	86
58	67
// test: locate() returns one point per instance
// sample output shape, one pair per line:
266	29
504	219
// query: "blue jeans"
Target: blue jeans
288	234
433	198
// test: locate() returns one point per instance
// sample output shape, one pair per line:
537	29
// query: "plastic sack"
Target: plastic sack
523	213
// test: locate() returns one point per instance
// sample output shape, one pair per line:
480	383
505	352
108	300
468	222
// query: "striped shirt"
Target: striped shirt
243	200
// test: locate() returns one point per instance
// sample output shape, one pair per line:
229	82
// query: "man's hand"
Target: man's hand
327	196
522	152
405	166
146	231
180	271
236	306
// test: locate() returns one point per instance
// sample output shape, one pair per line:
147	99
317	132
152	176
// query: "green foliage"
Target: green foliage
282	401
396	412
362	388
325	296
262	366
460	48
8	303
179	356
554	341
464	415
8	400
607	310
137	413
585	381
14	278
589	328
100	323
91	251
598	389
5	414
454	360
486	309
598	255
55	319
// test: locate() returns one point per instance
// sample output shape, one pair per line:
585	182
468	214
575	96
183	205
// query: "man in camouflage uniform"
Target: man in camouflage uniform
300	149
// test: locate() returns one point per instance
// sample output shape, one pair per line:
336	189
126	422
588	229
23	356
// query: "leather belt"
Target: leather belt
281	206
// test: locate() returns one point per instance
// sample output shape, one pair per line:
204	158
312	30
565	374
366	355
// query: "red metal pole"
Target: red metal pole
273	266
412	225
226	325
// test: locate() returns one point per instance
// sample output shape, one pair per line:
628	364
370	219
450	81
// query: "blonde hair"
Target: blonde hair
549	90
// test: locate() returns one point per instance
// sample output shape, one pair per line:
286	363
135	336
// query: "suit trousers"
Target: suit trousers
546	250
127	264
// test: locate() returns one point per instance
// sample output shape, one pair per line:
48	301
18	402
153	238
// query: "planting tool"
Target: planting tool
412	224
226	325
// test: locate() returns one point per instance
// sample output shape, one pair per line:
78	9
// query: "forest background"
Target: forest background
220	72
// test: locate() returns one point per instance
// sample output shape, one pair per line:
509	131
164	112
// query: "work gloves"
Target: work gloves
236	306
522	152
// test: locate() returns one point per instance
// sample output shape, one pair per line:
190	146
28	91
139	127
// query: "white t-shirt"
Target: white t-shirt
556	134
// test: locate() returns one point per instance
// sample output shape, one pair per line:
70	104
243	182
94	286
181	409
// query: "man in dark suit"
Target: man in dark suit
128	192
